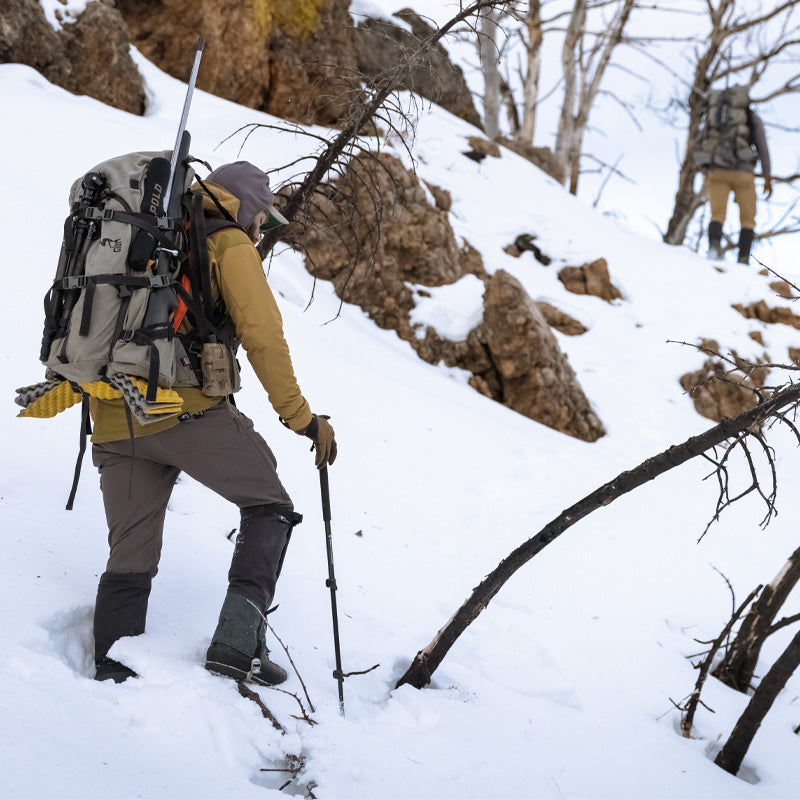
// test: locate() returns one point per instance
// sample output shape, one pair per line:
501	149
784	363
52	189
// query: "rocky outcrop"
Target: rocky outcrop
512	354
532	375
762	312
90	55
561	321
380	45
783	289
291	59
719	392
592	278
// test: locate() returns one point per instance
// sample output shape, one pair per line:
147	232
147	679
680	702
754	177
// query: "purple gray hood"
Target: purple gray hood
249	185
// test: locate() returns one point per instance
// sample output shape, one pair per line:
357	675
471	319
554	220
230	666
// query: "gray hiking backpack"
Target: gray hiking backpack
726	136
108	310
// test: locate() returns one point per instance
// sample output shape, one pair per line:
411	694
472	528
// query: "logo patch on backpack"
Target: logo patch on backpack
114	244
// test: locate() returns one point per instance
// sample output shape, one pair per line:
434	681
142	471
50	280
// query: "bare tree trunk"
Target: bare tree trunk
687	201
739	664
731	756
569	67
591	63
490	59
428	659
533	68
694	698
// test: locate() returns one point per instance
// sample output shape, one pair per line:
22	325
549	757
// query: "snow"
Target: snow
58	12
453	310
563	687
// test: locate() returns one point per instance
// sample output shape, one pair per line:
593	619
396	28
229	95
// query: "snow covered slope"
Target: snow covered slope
562	688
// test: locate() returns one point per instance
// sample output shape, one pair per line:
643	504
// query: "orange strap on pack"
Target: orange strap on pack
180	311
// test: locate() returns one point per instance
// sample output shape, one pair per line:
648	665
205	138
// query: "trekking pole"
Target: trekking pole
331	582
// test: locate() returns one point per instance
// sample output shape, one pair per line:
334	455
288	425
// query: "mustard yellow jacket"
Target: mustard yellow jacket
237	276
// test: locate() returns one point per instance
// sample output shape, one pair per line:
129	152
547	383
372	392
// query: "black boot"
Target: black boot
715	240
746	236
238	647
120	610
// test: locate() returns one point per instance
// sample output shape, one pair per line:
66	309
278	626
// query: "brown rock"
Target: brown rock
381	45
761	311
591	278
562	322
89	56
483	146
717	394
442	198
292	59
782	289
533	374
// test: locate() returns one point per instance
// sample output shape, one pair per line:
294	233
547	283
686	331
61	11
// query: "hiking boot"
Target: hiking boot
120	609
106	669
746	236
238	647
224	660
715	241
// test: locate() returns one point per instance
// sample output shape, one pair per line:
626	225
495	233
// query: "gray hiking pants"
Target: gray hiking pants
221	450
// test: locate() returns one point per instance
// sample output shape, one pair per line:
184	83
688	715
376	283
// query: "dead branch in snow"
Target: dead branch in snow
773	408
690	707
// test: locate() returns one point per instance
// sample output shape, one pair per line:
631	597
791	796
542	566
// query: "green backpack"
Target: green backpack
726	137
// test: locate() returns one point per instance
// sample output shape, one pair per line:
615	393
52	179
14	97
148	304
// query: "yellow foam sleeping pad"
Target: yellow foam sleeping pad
48	398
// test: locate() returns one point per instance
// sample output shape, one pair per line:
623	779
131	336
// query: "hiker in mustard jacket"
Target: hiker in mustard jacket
214	443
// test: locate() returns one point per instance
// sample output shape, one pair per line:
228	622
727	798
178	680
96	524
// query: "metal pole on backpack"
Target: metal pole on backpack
331	582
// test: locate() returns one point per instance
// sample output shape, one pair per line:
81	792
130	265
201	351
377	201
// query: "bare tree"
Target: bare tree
532	72
732	754
739	46
735	435
489	56
689	708
583	65
592	29
737	667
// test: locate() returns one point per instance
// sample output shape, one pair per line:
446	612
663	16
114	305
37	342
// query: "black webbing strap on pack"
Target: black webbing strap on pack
86	431
224	211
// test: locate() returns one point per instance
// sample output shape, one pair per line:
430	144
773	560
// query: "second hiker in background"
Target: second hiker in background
732	141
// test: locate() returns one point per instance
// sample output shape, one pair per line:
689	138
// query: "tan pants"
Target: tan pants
720	183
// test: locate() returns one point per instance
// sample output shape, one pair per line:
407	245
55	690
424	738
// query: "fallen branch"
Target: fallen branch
705	666
246	691
428	659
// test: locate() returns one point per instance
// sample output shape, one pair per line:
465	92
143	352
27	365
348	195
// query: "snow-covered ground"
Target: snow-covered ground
564	686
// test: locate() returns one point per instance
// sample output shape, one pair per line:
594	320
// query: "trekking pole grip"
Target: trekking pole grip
326	494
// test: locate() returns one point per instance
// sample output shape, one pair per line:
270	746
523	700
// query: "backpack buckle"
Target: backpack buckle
75	282
103	214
